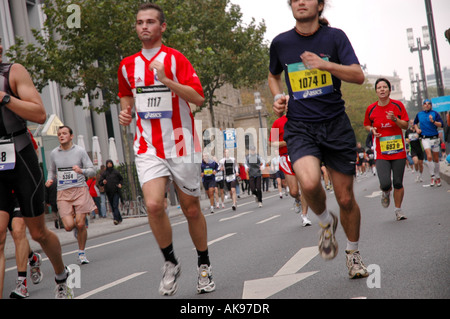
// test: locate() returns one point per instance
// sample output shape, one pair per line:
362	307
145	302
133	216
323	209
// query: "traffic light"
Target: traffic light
447	35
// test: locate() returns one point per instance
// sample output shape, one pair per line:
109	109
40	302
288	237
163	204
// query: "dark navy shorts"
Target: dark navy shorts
332	142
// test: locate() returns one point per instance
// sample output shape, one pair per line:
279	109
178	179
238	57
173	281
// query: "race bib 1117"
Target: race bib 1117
154	102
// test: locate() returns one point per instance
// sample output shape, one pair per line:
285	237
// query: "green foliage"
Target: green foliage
357	99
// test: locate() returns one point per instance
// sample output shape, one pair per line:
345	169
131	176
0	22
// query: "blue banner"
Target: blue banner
441	104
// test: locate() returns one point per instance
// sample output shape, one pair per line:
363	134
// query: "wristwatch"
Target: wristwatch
6	99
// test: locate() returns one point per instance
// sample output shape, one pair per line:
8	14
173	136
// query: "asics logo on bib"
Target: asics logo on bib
312	93
150	115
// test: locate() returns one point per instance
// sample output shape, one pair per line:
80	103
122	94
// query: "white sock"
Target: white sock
352	246
325	218
436	170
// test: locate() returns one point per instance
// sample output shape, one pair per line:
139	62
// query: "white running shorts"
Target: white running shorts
432	143
183	171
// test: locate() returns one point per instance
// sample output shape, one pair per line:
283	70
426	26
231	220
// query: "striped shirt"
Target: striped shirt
168	132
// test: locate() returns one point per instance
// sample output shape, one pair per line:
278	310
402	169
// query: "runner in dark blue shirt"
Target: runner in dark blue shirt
208	170
315	59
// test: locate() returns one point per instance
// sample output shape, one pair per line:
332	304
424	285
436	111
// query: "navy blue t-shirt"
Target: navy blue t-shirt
309	101
207	170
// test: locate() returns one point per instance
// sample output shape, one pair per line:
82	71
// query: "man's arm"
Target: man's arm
276	88
185	92
348	73
29	106
126	105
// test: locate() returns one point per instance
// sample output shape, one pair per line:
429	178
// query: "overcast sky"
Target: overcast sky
376	29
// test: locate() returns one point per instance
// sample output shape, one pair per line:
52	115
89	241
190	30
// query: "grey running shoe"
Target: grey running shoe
385	199
35	270
169	285
328	246
356	268
399	215
205	282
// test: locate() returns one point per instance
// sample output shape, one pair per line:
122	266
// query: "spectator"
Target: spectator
95	194
112	181
101	188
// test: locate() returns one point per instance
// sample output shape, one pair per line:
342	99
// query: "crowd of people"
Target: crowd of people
314	137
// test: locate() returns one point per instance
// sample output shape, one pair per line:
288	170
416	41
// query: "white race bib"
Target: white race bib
67	176
154	102
7	155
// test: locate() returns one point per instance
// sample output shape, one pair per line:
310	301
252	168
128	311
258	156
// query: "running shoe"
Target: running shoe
328	246
223	205
82	259
305	221
169	285
21	290
63	291
259	204
297	206
36	274
233	207
432	181
356	268
438	182
281	195
205	282
211	210
399	215
385	199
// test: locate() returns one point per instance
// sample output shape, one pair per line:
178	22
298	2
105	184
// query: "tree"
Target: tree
357	99
85	59
223	50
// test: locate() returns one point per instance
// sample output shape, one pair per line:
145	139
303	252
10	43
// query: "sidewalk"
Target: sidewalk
100	226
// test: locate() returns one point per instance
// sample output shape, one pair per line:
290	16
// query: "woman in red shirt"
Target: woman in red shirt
386	119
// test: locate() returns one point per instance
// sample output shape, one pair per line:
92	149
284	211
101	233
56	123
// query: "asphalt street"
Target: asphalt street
265	253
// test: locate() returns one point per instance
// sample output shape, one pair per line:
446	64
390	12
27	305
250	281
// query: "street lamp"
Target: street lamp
420	48
415	80
258	107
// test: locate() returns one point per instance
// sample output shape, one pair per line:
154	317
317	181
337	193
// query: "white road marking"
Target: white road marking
110	285
235	216
285	277
268	219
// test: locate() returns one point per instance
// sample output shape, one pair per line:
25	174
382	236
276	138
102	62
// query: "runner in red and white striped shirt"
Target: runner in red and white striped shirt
160	82
163	130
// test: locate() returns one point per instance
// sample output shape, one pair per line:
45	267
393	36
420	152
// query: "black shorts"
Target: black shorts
27	181
279	174
332	142
220	184
416	150
209	183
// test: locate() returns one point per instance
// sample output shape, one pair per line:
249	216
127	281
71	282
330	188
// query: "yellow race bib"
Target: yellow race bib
391	144
307	83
